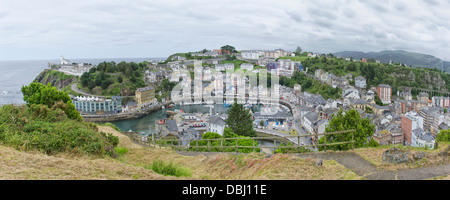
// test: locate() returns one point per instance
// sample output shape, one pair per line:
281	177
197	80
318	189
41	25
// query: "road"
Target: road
296	125
74	87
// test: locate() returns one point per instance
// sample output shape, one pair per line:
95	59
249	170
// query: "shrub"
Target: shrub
373	143
47	95
291	150
444	136
50	131
229	144
169	169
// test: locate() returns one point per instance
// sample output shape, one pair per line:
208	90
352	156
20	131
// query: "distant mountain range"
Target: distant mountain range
400	56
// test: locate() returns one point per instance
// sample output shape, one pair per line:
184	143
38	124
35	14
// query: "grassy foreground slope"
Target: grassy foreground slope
134	164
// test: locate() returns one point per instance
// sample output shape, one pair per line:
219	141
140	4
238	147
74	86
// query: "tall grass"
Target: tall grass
112	126
51	131
121	151
169	169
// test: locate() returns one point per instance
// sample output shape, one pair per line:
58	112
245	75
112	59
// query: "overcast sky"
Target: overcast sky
46	29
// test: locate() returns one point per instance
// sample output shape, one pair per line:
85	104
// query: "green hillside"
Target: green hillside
408	58
376	73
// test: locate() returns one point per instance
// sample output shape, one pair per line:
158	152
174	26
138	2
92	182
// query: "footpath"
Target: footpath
364	168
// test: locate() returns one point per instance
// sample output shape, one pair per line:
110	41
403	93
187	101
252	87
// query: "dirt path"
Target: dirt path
364	168
351	161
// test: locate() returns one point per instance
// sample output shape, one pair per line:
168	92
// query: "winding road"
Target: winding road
75	88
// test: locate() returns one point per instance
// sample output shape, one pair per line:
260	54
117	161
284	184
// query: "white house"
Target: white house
216	124
190	116
247	66
320	127
351	94
285	67
421	138
229	66
220	67
207	74
308	121
360	82
250	54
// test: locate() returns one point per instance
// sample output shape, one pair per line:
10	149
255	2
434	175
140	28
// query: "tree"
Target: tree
85	79
351	120
261	123
378	100
37	93
240	120
351	67
443	136
211	135
227	49
188	56
298	51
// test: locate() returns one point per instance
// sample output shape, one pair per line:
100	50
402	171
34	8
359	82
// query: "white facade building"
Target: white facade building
216	125
247	66
360	82
421	138
251	54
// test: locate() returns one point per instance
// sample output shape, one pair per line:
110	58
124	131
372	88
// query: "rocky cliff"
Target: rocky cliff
56	78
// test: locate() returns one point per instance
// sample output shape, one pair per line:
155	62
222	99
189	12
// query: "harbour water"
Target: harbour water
145	124
15	74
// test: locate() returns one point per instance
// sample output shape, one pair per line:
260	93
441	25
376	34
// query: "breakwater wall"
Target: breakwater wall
123	116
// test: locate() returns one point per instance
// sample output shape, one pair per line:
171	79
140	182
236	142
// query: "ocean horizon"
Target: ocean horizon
16	73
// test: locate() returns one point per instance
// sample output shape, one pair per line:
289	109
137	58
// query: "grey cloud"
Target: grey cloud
379	8
295	16
166	27
3	14
399	6
318	12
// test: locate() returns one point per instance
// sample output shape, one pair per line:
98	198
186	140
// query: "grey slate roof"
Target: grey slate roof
423	135
318	123
172	125
188	135
360	78
384	85
443	126
145	89
312	116
216	120
359	101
